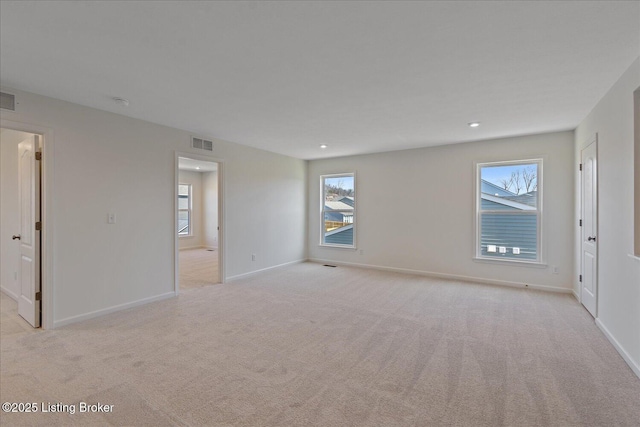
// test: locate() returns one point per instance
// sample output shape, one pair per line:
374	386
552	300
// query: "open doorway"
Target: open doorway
20	226
198	223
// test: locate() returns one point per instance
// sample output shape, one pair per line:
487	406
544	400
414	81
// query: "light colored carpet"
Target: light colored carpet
198	268
308	345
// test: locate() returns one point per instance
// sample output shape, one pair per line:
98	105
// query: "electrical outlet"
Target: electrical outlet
253	257
555	269
111	218
361	251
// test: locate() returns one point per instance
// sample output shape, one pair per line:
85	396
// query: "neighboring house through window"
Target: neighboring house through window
184	210
338	210
508	214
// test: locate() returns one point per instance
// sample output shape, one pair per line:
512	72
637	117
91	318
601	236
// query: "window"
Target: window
184	210
509	206
636	121
338	210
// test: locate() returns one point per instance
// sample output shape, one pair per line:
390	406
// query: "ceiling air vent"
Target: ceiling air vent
7	101
201	144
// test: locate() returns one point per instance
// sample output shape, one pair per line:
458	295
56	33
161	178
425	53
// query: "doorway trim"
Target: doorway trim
221	215
47	216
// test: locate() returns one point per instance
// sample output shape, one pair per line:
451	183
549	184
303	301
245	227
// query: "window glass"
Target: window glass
509	211
184	210
338	210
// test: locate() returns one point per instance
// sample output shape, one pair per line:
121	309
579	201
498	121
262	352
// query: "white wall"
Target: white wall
210	208
102	162
9	211
196	240
618	312
416	209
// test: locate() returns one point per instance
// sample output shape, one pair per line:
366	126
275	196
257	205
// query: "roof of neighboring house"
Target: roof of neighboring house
339	230
346	199
337	206
530	198
490	188
509	201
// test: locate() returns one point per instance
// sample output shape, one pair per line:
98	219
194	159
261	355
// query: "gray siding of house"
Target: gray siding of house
341	238
511	231
488	205
333	216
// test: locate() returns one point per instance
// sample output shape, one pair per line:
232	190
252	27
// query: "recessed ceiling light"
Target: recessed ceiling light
121	101
323	146
474	124
198	167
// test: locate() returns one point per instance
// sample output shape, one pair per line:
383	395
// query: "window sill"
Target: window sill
513	262
185	236
353	248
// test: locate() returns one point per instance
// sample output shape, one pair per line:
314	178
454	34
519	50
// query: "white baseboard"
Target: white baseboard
576	295
9	293
262	270
113	309
447	276
635	367
186	248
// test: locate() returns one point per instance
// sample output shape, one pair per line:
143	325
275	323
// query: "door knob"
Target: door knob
591	238
16	237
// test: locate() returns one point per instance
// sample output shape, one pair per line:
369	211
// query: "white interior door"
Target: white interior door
29	193
589	245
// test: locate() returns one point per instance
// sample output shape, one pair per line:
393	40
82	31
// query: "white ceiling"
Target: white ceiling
358	76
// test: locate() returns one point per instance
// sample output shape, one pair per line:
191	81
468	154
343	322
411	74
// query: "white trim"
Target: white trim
262	270
635	367
10	294
447	276
47	216
189	248
345	247
186	248
576	295
112	309
634	257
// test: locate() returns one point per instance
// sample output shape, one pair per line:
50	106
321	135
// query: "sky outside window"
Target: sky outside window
499	174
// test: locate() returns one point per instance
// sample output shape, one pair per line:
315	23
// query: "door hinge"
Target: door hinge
580	223
38	155
38	226
38	296
581	277
580	166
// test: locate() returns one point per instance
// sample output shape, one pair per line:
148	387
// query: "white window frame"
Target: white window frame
322	209
540	260
188	210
